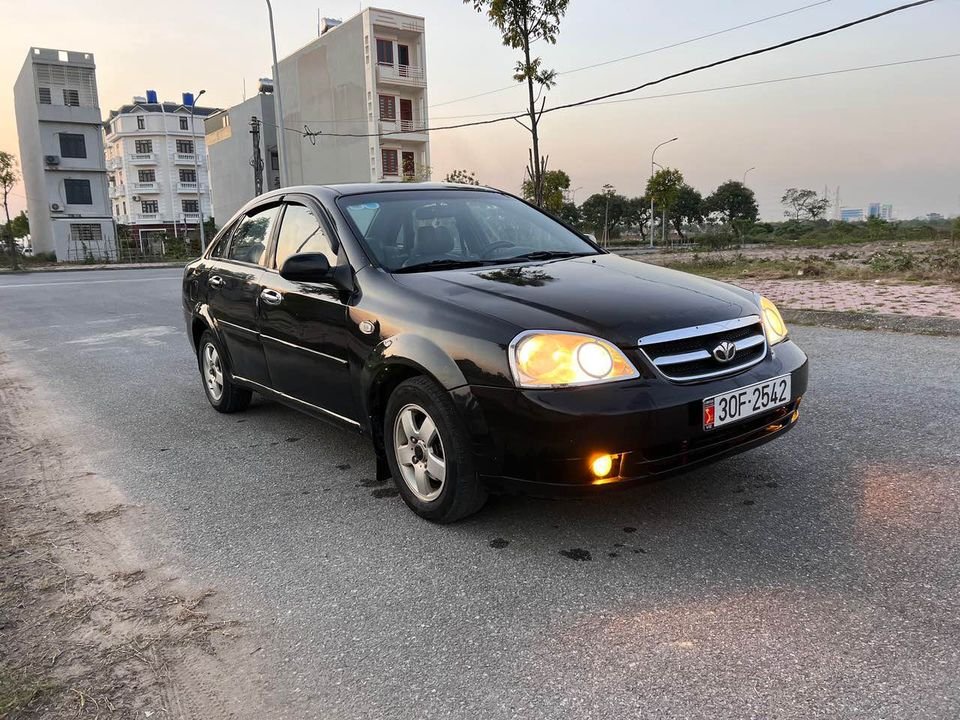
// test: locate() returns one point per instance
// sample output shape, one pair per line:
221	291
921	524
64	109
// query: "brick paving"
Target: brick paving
870	297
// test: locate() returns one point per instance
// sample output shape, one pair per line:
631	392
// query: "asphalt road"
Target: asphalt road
818	576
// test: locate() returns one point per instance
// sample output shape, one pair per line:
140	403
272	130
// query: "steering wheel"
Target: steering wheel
499	244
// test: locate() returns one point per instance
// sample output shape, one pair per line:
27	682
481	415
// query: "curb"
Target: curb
913	324
82	268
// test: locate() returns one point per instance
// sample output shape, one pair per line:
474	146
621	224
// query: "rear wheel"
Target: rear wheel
221	391
428	451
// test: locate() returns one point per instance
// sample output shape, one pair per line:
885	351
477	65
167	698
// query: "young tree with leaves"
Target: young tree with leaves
8	178
687	209
521	24
555	182
736	205
637	215
804	204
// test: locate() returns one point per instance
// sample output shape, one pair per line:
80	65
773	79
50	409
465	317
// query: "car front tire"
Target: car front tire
224	395
428	451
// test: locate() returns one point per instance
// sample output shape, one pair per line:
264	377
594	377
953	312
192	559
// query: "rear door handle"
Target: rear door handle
271	297
215	281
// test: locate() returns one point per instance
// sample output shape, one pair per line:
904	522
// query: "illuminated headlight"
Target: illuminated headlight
557	359
773	324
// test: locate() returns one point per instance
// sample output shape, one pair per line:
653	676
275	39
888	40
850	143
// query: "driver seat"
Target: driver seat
433	240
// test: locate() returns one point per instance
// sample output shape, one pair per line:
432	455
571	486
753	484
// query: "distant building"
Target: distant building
851	214
156	162
934	217
230	150
873	210
61	156
364	76
886	212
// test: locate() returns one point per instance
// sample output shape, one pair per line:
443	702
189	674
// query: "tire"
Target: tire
212	362
414	465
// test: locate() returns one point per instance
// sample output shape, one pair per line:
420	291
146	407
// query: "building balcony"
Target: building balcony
187	158
403	75
142	158
146	217
145	187
191	217
407	130
118	190
114	163
186	187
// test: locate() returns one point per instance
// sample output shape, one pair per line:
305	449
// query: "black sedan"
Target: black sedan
481	344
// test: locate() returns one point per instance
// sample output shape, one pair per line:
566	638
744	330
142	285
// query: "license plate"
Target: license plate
744	402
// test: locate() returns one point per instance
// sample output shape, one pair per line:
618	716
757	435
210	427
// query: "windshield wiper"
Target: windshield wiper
441	264
544	255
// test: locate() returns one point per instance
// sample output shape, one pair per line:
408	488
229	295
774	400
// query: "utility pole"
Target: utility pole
652	216
257	160
196	170
281	133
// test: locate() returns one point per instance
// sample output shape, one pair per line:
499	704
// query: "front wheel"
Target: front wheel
428	451
221	391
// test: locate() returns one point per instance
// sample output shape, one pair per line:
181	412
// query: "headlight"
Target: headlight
556	359
773	324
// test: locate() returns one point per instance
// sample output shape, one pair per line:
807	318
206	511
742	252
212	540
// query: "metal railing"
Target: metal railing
401	74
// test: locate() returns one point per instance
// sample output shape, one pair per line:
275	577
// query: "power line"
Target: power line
646	52
306	132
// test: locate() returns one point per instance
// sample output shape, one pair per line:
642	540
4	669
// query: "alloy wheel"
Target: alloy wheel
419	452
212	372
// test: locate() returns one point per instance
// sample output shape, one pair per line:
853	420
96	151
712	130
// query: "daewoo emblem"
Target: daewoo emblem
725	351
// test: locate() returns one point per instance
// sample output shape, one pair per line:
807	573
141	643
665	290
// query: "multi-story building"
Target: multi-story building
851	214
156	160
873	210
61	156
366	76
238	152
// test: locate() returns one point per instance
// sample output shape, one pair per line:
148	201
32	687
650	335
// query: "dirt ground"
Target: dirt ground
89	627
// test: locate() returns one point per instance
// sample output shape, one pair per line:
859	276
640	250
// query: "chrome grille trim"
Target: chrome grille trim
666	365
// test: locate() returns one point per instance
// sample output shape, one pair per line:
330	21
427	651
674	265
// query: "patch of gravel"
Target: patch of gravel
851	320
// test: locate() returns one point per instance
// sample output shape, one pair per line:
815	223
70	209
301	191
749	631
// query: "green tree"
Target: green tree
687	209
571	215
20	225
801	204
605	210
664	186
462	177
8	178
637	215
735	204
521	24
554	184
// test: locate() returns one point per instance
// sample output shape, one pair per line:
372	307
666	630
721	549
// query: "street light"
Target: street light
196	168
745	175
665	142
281	133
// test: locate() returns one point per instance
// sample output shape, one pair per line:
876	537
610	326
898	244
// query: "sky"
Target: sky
889	135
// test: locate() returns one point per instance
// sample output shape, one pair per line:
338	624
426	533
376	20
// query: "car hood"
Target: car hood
607	295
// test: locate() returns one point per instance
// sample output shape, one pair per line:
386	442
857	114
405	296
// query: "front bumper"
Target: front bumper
541	442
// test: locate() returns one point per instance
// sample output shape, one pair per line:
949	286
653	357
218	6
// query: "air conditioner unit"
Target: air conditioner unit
56	207
136	198
51	159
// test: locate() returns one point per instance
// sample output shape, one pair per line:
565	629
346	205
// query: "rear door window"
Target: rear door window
249	243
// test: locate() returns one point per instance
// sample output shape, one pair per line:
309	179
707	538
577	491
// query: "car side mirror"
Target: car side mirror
307	267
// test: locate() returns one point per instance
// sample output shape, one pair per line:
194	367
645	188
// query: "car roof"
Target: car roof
342	189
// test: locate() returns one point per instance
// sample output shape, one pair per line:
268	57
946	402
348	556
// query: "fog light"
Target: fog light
601	465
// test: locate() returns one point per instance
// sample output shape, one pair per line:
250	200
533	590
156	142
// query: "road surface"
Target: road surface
818	576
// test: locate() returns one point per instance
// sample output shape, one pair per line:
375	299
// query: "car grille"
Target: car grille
687	354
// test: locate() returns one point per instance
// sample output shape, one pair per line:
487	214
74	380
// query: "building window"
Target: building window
190	206
188	176
389	160
388	107
143	147
141	122
184	123
409	166
149	207
185	146
86	232
78	192
71	98
147	176
385	51
274	160
72	145
45	98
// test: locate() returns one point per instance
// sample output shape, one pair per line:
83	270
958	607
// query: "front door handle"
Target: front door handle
271	297
215	281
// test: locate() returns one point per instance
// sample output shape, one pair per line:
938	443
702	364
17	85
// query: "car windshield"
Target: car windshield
422	230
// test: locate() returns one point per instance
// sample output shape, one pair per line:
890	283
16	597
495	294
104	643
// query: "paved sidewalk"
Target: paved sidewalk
941	301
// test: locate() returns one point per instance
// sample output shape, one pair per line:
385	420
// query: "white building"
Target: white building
156	160
364	76
233	150
61	156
